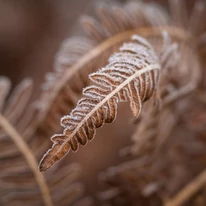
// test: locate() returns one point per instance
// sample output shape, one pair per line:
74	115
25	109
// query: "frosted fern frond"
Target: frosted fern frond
131	74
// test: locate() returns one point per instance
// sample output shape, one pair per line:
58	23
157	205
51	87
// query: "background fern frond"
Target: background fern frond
19	179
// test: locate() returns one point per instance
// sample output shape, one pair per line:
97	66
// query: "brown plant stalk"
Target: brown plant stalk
188	191
31	160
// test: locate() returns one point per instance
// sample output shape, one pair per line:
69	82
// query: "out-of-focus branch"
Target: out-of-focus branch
31	160
194	186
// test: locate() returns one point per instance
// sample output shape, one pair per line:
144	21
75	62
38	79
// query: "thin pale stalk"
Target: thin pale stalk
188	191
31	160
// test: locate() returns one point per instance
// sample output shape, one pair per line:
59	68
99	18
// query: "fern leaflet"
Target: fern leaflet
131	74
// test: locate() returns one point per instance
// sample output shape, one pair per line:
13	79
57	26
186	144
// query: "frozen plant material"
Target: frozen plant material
131	74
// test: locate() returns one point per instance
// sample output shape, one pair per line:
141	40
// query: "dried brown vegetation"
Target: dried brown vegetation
134	52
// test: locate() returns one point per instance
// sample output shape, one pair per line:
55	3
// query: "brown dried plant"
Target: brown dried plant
63	87
11	114
144	180
20	180
131	74
105	48
163	64
78	127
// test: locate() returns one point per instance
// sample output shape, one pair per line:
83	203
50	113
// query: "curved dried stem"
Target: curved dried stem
22	146
186	193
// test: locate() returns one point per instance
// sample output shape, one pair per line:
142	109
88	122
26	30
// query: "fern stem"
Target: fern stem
31	160
194	186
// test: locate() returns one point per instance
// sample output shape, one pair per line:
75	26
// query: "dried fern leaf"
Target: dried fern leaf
182	150
17	102
25	182
94	28
126	183
153	138
131	74
5	85
152	119
18	174
50	108
73	48
118	18
33	197
63	89
10	118
15	110
29	158
150	135
189	75
62	194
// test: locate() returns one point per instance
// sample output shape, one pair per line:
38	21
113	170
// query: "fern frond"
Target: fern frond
70	52
63	87
131	74
19	174
24	189
127	183
115	19
13	109
154	137
180	158
73	48
11	114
